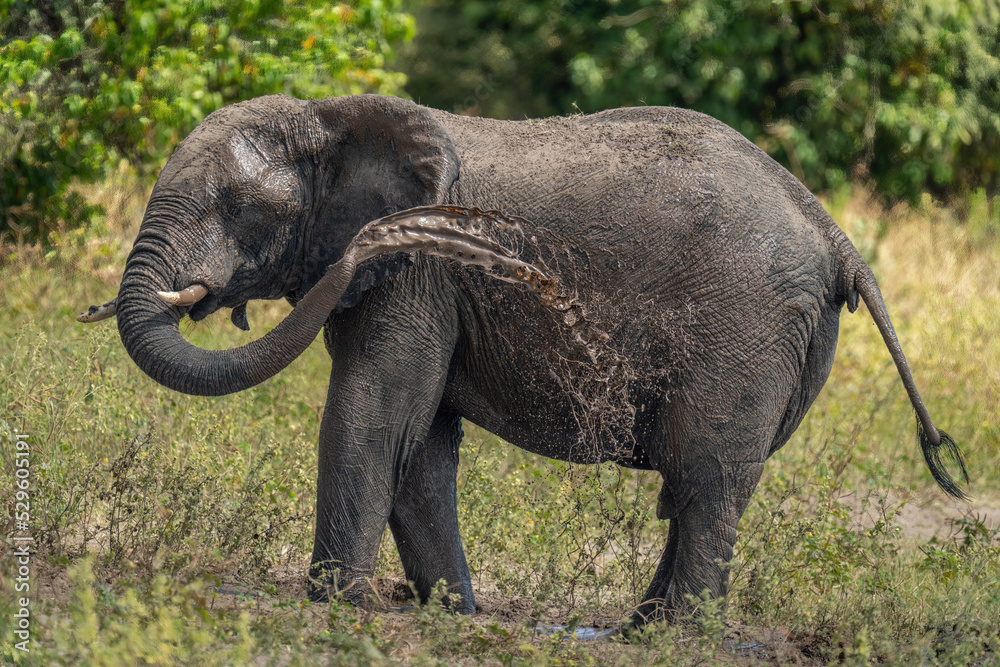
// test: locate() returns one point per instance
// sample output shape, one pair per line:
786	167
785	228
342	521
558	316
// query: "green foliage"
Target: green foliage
542	530
843	591
197	503
164	622
84	83
906	93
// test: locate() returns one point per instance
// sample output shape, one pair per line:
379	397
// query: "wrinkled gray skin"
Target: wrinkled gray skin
706	285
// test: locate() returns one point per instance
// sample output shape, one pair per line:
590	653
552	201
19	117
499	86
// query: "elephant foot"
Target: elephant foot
326	584
317	594
456	598
323	585
460	604
655	610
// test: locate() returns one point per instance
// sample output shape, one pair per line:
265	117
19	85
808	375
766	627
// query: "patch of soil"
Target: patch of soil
505	608
925	515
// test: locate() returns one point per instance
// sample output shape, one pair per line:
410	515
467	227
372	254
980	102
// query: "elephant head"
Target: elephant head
256	203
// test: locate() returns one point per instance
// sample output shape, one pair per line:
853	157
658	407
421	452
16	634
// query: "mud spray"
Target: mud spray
598	375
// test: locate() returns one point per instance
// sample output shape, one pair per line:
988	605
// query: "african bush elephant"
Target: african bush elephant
658	292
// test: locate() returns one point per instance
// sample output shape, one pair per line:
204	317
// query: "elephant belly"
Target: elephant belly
551	422
577	390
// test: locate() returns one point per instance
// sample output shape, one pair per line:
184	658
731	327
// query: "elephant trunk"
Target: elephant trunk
149	332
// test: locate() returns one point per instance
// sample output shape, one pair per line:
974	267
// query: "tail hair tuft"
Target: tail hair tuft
932	454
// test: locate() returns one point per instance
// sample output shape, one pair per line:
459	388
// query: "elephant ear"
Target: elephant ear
381	155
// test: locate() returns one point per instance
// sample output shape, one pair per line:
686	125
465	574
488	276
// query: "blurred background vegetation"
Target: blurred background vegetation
906	94
903	97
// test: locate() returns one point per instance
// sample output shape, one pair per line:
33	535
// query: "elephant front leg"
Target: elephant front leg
424	518
366	440
390	366
353	500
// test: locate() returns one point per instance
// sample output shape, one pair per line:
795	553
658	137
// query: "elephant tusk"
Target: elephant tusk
186	297
98	313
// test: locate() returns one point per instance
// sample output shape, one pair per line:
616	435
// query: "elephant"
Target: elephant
641	285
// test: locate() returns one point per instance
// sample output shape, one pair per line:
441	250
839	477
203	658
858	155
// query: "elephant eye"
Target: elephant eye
262	184
260	210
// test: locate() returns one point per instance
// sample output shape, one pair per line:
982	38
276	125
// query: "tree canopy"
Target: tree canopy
87	83
904	93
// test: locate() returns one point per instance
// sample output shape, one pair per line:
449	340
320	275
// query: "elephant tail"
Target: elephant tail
932	441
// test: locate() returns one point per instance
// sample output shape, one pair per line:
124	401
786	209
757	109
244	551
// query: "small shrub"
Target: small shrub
164	510
160	622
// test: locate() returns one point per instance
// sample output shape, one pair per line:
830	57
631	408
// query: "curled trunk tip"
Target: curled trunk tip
98	313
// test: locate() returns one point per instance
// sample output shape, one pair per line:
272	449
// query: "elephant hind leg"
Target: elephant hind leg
424	518
709	476
696	559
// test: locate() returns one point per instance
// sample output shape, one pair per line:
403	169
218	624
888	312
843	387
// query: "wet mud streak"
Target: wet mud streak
590	365
467	235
